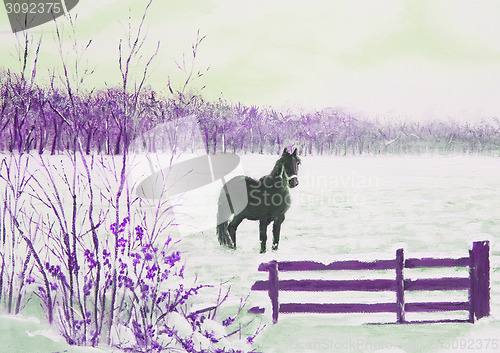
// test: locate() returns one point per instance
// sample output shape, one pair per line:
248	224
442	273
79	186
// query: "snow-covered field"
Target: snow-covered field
349	208
366	208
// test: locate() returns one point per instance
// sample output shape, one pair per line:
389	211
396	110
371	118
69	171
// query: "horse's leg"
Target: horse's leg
233	225
276	230
263	234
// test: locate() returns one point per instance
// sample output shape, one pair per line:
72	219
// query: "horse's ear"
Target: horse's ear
285	152
295	153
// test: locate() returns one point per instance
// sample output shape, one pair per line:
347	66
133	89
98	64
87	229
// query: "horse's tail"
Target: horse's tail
224	214
222	233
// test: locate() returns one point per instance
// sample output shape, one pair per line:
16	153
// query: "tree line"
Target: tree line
46	119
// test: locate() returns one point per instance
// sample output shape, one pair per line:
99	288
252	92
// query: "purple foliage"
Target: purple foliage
87	282
172	259
106	257
87	286
76	281
141	275
228	321
56	273
89	259
47	123
139	231
120	228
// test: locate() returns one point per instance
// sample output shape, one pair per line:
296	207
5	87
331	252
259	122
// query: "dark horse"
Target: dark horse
265	200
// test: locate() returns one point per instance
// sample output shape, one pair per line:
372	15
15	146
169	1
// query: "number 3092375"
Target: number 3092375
33	8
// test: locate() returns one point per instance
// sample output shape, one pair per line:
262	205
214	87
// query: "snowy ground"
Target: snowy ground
349	208
366	208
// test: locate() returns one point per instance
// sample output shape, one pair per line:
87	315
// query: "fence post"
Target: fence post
400	286
480	286
471	286
274	288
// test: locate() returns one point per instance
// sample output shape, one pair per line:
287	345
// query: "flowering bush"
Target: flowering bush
120	285
152	310
99	282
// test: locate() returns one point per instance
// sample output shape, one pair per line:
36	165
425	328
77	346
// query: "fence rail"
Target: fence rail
338	265
429	262
477	284
318	285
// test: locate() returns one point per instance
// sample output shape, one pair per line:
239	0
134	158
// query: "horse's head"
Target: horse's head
290	167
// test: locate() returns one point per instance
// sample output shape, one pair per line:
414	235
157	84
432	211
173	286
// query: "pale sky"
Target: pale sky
413	59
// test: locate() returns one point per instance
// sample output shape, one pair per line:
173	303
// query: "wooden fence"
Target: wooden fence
477	284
